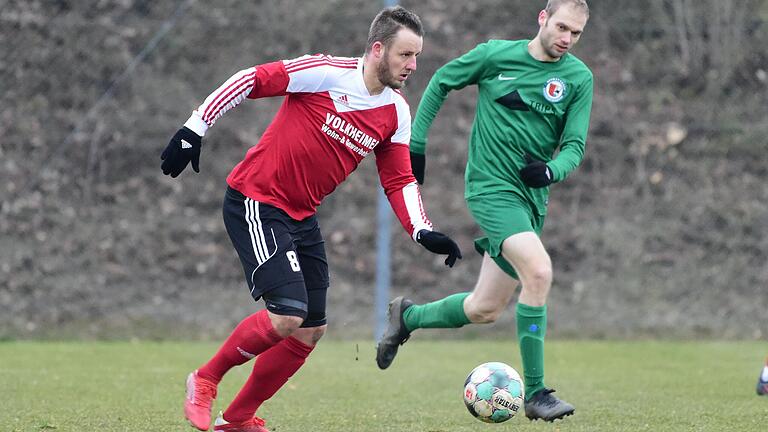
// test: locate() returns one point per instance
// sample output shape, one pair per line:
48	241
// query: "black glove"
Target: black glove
183	148
536	174
418	163
439	243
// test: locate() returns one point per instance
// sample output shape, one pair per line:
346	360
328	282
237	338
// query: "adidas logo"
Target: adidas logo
343	99
185	144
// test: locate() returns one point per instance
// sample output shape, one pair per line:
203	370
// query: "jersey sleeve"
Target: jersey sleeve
454	75
269	79
307	74
394	165
574	137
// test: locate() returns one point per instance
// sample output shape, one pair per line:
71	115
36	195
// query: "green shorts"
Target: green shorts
500	215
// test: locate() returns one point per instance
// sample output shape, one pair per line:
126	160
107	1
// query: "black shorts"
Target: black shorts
283	259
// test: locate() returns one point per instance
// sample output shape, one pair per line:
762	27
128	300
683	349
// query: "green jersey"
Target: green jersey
524	106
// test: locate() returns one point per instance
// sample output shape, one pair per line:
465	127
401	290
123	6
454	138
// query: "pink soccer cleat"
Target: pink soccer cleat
197	406
252	425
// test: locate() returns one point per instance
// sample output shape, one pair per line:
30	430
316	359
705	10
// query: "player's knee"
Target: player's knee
316	333
286	325
540	276
310	335
485	317
484	314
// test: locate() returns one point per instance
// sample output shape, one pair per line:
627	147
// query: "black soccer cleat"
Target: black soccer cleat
396	333
543	405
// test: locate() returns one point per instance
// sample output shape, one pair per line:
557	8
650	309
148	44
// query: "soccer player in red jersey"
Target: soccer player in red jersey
335	111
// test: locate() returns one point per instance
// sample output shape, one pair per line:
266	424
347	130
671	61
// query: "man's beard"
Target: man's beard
554	53
385	76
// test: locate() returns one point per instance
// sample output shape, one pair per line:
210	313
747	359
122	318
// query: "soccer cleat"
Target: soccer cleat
252	425
762	386
197	406
543	405
396	333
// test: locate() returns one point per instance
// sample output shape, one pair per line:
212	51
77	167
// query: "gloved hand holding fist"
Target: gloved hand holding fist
536	174
183	148
439	243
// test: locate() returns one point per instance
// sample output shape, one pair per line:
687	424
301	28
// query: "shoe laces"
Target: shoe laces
545	397
404	333
205	392
404	339
256	421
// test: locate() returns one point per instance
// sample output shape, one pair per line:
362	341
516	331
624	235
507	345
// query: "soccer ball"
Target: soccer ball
493	392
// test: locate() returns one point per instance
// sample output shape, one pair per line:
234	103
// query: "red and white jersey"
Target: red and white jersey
327	124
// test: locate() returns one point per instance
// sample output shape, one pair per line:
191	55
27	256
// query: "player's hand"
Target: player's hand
418	164
439	243
536	174
183	148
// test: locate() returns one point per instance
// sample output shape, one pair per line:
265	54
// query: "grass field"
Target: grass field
615	386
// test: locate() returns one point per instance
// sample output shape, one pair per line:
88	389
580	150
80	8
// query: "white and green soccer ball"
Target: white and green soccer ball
493	392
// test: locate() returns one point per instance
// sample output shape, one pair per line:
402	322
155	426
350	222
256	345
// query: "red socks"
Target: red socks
270	372
278	359
250	338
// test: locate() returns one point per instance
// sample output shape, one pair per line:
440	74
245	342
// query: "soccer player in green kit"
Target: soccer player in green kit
534	99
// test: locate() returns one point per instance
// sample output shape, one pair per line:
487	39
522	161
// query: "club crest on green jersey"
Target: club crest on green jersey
554	90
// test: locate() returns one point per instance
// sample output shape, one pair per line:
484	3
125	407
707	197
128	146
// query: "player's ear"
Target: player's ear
542	17
377	49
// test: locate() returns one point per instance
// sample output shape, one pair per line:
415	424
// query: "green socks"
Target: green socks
531	328
445	313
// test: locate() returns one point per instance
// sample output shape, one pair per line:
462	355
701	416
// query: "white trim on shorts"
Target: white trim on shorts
258	239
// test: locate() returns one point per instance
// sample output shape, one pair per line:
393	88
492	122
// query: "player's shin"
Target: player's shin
444	313
250	338
271	371
531	329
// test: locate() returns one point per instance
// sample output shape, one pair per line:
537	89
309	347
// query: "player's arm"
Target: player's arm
538	174
403	193
270	79
454	75
574	137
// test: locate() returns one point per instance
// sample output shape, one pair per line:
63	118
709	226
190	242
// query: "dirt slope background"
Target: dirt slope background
663	231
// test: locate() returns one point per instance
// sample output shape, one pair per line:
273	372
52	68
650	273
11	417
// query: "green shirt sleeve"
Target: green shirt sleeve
574	136
454	75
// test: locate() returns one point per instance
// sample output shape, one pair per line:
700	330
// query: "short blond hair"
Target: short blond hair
554	5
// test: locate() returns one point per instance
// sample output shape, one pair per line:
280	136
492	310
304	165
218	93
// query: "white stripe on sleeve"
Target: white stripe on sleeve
415	209
227	96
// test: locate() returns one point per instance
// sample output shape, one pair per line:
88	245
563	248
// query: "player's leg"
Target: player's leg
490	296
252	336
403	317
264	244
513	226
493	292
499	216
533	266
261	241
274	367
